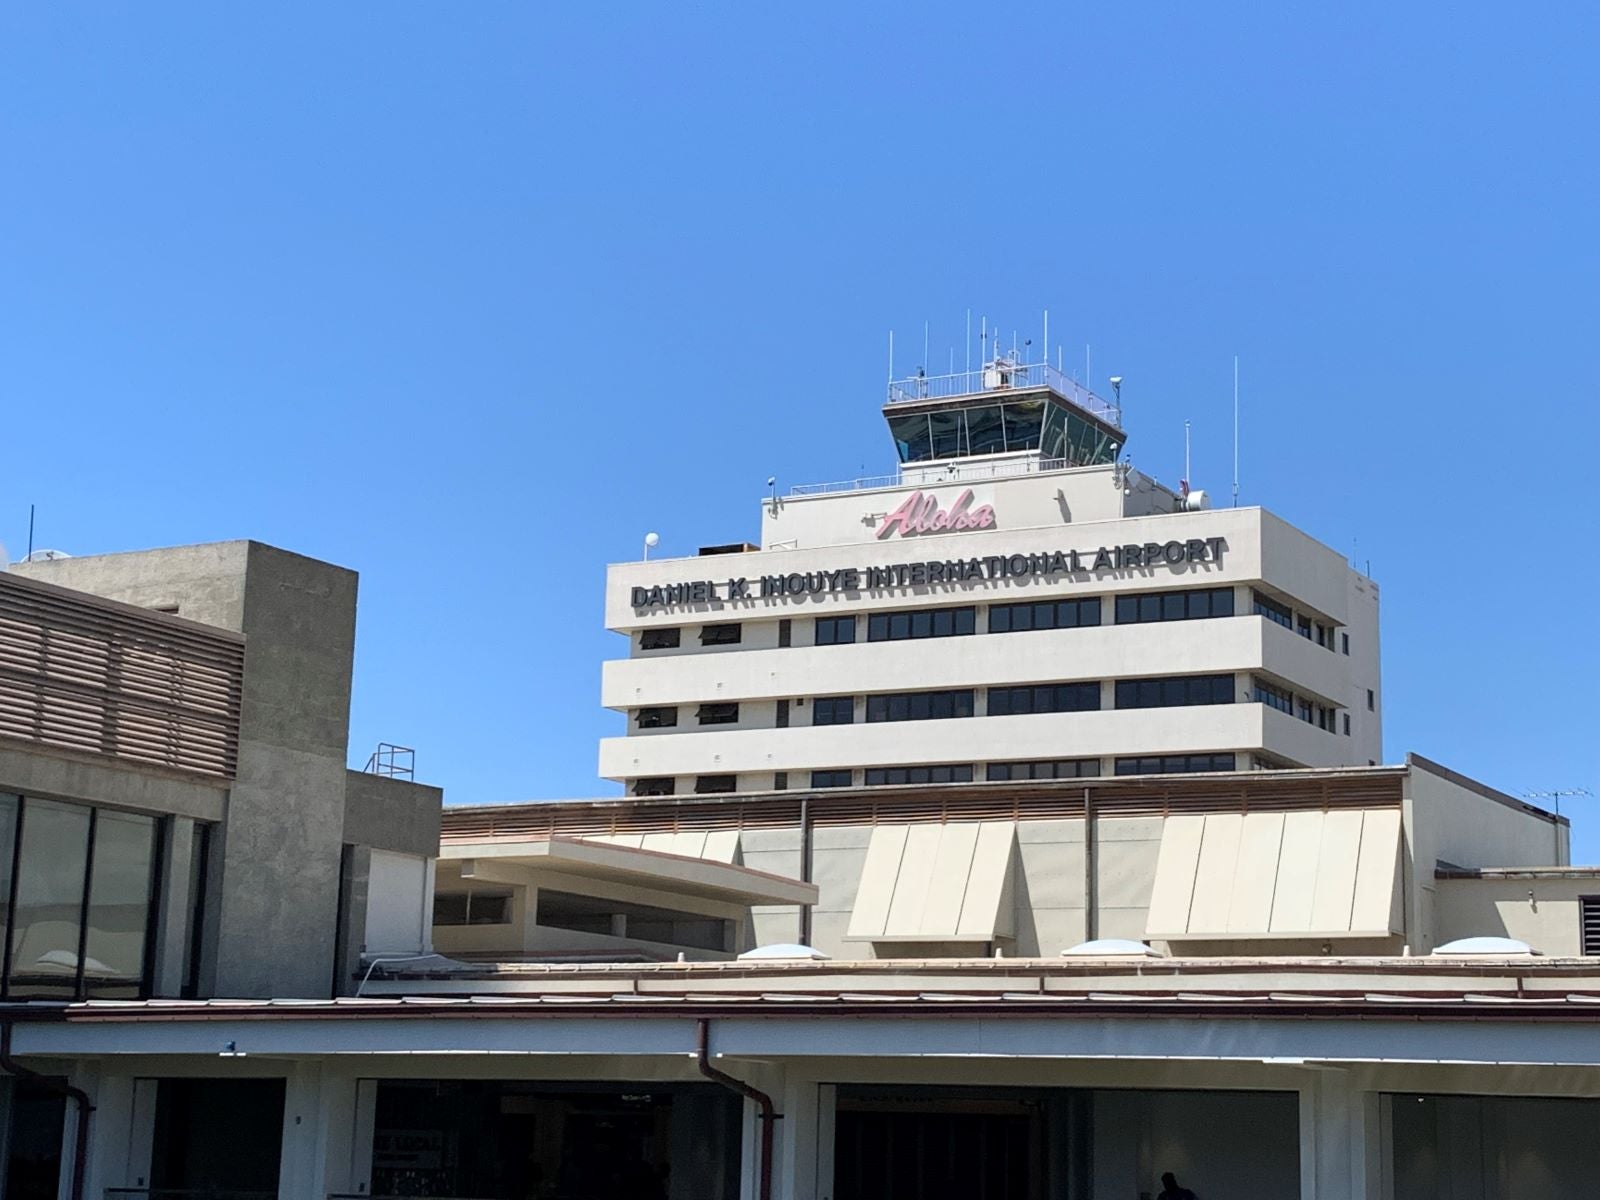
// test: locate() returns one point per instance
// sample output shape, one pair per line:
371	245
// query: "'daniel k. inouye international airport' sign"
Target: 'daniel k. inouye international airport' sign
921	514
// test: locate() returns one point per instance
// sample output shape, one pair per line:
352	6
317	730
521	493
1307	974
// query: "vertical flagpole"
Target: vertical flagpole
1236	431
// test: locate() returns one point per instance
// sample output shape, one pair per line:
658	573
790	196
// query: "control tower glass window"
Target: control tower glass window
1024	422
1057	432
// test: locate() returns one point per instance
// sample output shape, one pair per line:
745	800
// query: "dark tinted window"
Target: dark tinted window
924	623
717	714
658	785
1273	610
659	639
1044	614
835	631
919	706
476	906
715	784
830	779
1065	768
1175	692
833	710
1044	698
1174	606
1174	764
657	718
1272	696
720	635
938	773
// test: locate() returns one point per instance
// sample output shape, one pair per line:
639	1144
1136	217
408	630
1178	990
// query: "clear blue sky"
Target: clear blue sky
468	297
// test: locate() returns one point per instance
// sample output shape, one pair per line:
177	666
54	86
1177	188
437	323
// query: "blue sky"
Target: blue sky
469	297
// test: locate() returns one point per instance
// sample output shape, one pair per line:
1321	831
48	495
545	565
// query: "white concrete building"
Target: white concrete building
1013	603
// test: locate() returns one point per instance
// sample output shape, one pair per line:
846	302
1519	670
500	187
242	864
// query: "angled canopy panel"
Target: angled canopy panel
936	883
1231	876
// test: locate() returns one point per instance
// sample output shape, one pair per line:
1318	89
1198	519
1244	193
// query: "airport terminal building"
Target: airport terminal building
1139	895
1014	603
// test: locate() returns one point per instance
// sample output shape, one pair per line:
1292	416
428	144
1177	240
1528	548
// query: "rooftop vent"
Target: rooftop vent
787	950
1489	947
1111	948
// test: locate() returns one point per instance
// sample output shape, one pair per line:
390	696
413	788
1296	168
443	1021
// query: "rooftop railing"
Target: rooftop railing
926	472
1003	376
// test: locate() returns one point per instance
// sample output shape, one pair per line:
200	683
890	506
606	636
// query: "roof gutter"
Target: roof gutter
761	1099
80	1151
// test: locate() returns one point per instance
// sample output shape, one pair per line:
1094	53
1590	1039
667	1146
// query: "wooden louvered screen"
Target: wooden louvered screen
90	675
1589	917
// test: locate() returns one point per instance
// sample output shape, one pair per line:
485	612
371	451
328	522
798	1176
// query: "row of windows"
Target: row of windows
1173	692
1044	698
1044	614
1186	605
1173	764
995	772
920	706
1321	715
1175	606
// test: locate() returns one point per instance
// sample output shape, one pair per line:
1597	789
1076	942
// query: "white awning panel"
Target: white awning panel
936	883
1228	876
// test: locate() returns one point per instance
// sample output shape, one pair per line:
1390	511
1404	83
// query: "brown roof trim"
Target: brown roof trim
1390	1008
1415	761
1134	795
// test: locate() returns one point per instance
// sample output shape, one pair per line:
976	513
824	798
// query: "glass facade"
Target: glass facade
79	887
1033	422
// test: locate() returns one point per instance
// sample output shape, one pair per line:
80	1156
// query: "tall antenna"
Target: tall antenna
30	535
1046	359
1187	478
1236	431
1555	794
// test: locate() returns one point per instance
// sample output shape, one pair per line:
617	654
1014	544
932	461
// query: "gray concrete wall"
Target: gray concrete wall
392	814
275	863
62	775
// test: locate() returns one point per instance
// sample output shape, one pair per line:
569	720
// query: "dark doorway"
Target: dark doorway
219	1135
511	1140
937	1148
38	1120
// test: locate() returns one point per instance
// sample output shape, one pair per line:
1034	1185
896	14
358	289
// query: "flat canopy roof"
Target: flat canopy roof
681	873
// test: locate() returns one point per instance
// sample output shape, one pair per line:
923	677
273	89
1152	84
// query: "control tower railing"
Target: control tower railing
1003	376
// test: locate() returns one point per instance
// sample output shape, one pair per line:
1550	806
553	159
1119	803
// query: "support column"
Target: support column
796	1175
1339	1138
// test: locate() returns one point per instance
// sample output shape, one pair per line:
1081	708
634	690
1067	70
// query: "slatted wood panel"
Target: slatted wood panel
1035	801
88	675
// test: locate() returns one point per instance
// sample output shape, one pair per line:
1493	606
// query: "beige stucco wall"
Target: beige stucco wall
1541	911
1452	820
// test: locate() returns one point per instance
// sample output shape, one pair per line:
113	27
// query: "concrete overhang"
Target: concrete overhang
679	873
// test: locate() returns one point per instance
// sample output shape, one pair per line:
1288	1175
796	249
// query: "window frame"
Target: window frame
717	712
656	716
1175	604
834	625
1004	618
833	705
722	633
915	624
666	637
